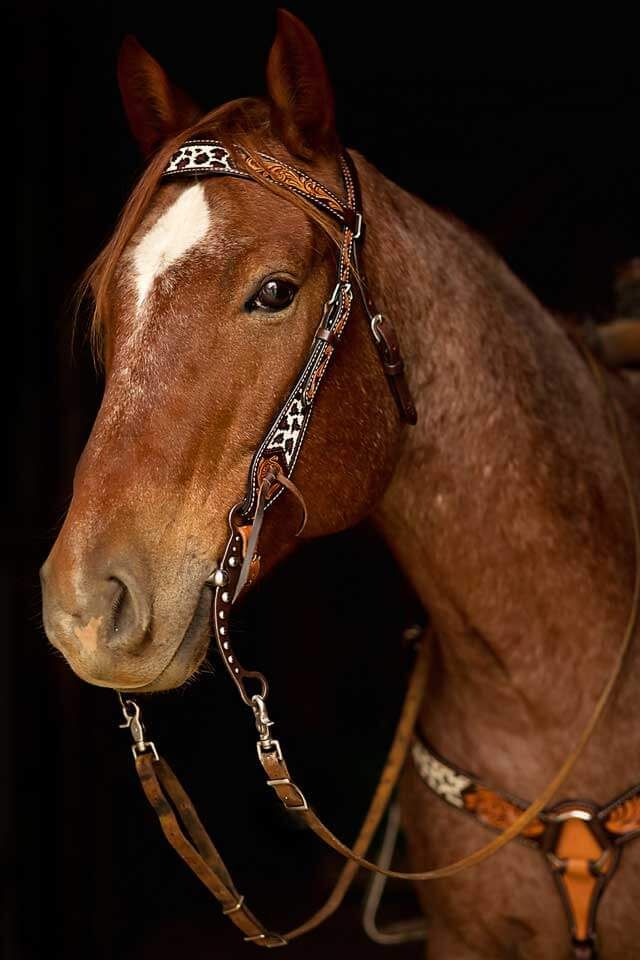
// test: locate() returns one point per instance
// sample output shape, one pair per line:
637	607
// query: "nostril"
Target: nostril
123	612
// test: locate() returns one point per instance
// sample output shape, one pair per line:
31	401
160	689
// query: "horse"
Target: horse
503	504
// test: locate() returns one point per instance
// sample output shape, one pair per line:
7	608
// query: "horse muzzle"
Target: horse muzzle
103	619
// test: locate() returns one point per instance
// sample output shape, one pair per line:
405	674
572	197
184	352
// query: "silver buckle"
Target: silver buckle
565	815
375	323
266	746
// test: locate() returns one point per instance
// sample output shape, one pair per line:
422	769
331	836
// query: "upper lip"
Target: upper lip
189	640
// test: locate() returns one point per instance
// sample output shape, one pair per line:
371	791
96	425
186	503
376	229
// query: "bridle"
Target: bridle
275	459
269	476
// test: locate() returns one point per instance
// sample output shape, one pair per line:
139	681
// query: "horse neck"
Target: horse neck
506	509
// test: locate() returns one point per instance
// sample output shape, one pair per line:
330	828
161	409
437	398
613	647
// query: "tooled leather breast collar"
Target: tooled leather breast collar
580	840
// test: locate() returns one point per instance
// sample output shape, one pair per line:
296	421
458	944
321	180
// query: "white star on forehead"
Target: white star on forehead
176	232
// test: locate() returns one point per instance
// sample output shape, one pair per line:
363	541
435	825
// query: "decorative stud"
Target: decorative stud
226	644
223	630
221	614
226	596
230	659
235	670
233	561
218	578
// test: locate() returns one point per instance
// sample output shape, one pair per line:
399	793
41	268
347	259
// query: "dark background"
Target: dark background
524	132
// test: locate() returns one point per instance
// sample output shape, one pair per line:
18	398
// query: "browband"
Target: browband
210	157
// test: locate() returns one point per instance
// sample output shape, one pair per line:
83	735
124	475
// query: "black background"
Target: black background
524	132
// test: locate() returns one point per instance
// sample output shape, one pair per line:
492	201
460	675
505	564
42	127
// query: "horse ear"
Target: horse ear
155	109
302	112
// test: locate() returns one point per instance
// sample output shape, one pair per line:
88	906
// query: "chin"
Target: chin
183	664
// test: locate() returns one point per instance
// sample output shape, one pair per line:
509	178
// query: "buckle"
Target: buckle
266	746
286	782
573	814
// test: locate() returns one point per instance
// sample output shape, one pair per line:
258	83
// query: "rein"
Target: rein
269	476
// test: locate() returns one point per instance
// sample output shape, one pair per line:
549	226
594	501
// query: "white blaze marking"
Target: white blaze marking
179	229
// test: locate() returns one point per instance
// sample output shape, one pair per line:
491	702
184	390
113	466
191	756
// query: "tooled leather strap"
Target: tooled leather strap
495	809
383	332
186	834
580	840
204	158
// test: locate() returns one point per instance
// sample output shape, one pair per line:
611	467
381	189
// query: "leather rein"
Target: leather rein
269	476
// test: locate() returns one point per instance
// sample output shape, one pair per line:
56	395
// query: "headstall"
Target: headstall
269	475
275	459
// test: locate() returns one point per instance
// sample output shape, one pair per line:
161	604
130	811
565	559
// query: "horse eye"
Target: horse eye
273	295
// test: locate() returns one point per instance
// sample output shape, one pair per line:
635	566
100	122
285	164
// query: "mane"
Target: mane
246	121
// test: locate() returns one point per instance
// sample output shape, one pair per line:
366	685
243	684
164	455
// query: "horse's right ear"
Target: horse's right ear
155	109
302	112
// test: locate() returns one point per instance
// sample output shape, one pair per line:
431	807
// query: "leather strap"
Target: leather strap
186	834
495	808
184	831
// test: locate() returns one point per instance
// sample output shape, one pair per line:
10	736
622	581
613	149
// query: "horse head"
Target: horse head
207	297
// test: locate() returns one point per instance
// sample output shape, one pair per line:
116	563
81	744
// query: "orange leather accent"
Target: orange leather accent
495	811
625	817
281	173
578	848
267	464
254	567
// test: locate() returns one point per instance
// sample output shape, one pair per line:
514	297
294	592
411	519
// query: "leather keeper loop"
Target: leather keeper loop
394	369
328	336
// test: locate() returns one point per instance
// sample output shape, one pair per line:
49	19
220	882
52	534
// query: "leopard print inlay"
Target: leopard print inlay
284	437
202	156
442	779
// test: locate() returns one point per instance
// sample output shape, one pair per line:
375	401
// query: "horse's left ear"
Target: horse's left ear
302	112
156	109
